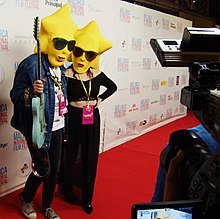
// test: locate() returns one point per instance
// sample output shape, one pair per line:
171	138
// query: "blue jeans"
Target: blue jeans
161	177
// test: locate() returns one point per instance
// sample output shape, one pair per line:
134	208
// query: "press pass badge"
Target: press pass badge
88	115
62	104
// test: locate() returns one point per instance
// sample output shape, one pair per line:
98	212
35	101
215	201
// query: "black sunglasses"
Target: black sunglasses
90	55
60	43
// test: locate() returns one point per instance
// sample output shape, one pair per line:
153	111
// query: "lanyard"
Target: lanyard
57	83
87	93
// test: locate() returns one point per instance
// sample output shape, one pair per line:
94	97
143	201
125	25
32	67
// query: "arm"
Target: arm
111	88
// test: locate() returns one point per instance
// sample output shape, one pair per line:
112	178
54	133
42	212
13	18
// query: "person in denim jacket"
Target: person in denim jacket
56	39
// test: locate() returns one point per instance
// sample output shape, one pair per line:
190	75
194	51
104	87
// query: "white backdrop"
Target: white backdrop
147	97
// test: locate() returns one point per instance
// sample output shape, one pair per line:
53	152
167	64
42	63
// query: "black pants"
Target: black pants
49	182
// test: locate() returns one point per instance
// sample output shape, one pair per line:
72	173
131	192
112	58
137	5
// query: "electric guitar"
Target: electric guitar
39	124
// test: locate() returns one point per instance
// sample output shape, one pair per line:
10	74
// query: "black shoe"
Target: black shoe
88	208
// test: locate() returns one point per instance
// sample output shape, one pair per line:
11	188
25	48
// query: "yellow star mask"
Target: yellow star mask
56	30
90	44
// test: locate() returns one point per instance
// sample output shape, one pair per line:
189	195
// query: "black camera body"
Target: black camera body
199	172
202	95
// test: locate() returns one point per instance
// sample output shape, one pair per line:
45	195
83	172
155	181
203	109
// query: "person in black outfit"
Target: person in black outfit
83	86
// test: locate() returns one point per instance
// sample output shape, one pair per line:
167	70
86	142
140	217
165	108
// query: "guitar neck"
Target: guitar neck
39	62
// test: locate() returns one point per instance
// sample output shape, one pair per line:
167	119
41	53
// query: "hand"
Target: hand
39	86
172	190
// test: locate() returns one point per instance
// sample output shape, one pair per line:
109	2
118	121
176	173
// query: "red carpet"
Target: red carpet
126	175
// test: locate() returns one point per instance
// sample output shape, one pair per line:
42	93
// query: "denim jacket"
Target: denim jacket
22	93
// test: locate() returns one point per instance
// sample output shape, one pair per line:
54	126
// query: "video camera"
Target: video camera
199	49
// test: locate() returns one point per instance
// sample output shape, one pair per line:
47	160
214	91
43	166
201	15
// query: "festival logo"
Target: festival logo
123	64
136	44
163	99
3	113
155	84
77	7
170	81
125	15
147	20
24	167
131	126
176	95
4	40
144	105
184	80
30	4
169	113
134	88
165	24
182	108
146	64
3	175
19	142
152	119
120	111
2	74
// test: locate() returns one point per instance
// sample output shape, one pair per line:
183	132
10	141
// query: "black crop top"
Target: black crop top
76	92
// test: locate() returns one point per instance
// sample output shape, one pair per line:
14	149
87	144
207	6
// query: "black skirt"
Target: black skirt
80	157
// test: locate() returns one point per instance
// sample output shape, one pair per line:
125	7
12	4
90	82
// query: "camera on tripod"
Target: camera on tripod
199	172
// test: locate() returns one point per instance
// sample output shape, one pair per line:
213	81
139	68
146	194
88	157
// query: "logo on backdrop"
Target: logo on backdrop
169	113
19	142
184	80
136	44
170	81
131	126
125	15
3	113
176	95
120	111
77	7
133	108
155	84
24	167
135	88
144	105
30	4
152	119
124	44
147	20
3	40
165	24
146	64
163	99
123	64
157	24
2	74
23	40
3	175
